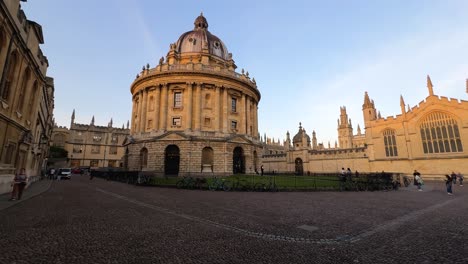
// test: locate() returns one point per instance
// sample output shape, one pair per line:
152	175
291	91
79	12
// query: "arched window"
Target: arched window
23	89
144	158
2	41
440	134
391	149
59	140
10	76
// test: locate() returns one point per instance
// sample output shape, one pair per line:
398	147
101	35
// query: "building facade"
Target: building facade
89	145
193	113
26	95
431	137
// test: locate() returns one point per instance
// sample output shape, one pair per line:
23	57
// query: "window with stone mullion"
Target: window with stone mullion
440	134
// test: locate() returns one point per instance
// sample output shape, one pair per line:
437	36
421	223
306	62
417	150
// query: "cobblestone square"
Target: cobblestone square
98	221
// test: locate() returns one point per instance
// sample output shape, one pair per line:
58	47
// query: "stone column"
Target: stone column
140	102
132	130
157	107
217	109
242	111
247	116
164	106
225	110
189	99
144	122
198	106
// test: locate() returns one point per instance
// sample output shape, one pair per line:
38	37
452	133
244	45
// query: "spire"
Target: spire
72	118
366	99
128	124
379	115
110	123
402	104
123	126
92	121
358	130
429	85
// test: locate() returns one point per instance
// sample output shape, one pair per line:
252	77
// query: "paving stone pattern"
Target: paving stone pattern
98	221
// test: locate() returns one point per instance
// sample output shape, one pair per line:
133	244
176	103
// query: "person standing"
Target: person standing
460	178
416	173
419	181
52	174
261	170
19	182
448	184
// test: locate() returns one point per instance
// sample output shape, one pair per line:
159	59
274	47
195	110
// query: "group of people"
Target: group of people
450	180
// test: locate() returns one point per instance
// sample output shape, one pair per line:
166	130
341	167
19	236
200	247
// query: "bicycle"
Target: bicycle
186	183
144	180
219	184
407	181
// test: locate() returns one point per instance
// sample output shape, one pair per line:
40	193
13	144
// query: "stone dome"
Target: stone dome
298	137
201	40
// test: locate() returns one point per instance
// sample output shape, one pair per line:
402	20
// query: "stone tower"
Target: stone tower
345	130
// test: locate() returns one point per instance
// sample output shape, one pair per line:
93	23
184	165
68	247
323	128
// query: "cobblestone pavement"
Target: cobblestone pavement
83	221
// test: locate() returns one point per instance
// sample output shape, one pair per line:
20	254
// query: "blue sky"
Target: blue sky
308	57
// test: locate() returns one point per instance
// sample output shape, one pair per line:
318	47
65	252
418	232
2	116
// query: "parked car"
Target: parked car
64	173
77	171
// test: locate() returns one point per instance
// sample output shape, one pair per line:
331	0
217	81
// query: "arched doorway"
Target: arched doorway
171	160
238	161
207	159
299	167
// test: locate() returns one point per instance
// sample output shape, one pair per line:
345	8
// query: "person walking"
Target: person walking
261	170
19	182
416	173
448	184
460	178
419	181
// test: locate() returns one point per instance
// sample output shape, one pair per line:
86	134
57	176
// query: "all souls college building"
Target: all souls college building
193	114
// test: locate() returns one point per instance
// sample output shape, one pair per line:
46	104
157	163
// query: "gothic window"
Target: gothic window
23	89
440	134
233	104
59	140
114	139
178	99
390	143
10	76
97	138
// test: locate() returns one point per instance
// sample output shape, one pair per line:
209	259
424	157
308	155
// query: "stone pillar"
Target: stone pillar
140	102
132	130
197	104
164	106
242	128
144	122
157	107
189	100
247	116
225	110
218	109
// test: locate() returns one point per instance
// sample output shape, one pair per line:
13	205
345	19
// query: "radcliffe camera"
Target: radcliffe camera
288	132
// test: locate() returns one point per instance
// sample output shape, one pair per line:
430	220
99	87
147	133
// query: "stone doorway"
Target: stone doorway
238	161
299	167
171	160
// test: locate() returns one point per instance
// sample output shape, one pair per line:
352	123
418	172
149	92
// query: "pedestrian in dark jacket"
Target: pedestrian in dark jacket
448	184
